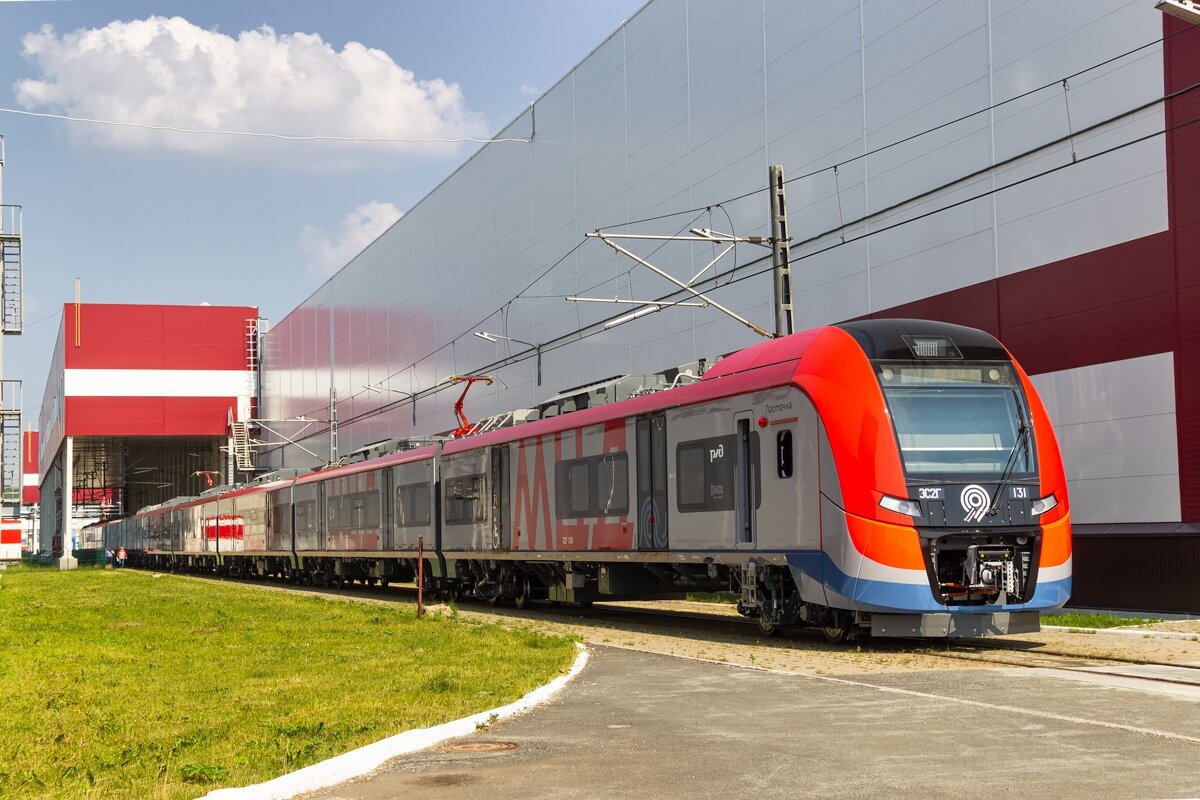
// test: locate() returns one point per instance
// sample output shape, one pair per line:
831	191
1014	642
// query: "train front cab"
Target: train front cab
944	506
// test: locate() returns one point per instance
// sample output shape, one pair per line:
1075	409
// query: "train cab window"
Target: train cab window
412	505
963	422
464	500
783	454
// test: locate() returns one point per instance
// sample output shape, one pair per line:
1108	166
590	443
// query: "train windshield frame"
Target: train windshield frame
969	421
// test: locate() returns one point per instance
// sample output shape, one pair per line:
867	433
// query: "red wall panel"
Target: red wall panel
1181	64
156	337
29	466
1133	299
1102	306
148	416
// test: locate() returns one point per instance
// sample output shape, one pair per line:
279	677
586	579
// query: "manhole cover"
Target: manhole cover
480	747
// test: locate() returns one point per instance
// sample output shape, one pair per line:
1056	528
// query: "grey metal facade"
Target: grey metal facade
685	107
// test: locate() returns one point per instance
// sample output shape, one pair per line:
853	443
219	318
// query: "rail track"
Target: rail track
1012	653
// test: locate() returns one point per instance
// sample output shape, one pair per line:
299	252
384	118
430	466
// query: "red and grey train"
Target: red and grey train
897	477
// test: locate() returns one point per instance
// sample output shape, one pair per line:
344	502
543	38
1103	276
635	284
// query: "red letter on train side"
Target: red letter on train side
529	503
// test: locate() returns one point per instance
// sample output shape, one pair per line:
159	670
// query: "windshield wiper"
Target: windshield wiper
1021	445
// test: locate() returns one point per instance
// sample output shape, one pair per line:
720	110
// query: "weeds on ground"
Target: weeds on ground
714	597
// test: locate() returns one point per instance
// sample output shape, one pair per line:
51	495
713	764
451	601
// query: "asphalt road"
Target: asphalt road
641	725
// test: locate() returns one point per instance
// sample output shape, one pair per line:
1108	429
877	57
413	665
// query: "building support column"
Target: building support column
66	515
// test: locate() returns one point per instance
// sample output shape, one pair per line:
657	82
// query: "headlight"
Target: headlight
908	508
1042	506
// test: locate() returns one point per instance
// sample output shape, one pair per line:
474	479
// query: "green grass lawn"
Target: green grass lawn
121	684
1080	619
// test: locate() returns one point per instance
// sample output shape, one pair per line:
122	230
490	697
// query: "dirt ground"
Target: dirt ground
1176	626
803	652
806	651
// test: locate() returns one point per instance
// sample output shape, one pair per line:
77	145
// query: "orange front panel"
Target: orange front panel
1056	542
837	375
891	545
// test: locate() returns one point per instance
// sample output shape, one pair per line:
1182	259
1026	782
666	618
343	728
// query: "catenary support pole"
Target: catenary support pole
784	321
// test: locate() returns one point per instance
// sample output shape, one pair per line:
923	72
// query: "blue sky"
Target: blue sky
157	217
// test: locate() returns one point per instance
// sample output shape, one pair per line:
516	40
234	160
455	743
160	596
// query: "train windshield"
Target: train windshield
965	422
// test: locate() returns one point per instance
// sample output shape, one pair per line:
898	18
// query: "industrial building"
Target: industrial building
138	409
1025	168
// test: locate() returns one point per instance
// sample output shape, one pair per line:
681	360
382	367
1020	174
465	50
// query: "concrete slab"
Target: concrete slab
640	725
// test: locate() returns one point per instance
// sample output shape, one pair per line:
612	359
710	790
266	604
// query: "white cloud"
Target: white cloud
326	253
529	91
161	71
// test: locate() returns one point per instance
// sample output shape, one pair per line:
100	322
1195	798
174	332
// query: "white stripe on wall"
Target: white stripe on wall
157	383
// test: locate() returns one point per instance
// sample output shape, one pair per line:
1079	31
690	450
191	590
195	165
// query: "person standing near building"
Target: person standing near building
121	554
109	556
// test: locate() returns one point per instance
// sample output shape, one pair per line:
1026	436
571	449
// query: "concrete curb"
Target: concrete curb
367	758
1137	633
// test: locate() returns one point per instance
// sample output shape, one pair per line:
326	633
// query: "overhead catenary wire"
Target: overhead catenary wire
597	327
843	225
1058	82
730	276
503	310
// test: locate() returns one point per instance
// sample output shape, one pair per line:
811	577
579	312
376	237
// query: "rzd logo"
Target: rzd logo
975	502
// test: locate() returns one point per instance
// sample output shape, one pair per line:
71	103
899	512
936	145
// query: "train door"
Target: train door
745	480
387	507
652	483
500	505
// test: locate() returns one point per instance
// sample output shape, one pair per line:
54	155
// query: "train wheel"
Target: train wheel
523	594
768	628
839	630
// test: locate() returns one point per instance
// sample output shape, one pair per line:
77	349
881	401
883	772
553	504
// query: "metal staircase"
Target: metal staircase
12	321
243	451
12	315
11	477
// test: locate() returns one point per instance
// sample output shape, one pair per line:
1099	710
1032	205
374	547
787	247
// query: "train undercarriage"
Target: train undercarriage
766	593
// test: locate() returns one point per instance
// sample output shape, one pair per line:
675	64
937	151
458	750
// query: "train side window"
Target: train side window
412	505
690	485
596	486
612	485
579	488
306	516
705	470
573	488
562	489
783	454
464	500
